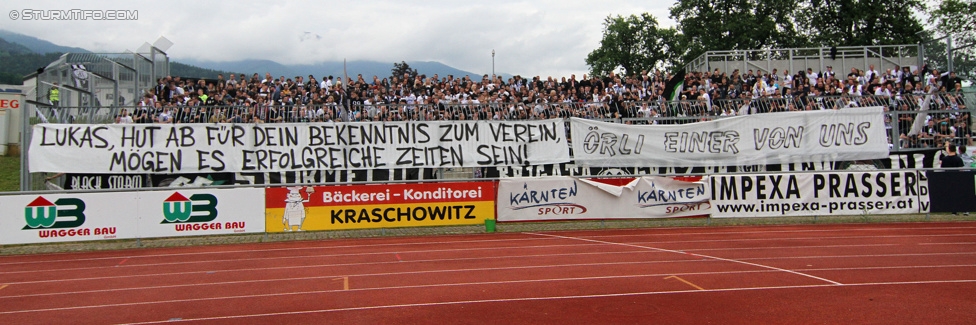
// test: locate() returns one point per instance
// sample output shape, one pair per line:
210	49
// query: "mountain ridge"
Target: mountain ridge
15	44
327	68
38	45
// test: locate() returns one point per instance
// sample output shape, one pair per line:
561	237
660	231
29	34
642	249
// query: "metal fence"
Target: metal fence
100	79
841	58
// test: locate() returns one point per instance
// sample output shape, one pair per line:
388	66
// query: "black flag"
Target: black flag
674	86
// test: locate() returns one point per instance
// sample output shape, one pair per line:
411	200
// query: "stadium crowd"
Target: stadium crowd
639	98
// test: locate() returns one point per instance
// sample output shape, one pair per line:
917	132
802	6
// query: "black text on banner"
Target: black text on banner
129	148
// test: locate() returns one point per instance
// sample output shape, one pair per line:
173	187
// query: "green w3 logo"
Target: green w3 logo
177	208
41	213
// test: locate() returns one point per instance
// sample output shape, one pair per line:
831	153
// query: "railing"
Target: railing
818	58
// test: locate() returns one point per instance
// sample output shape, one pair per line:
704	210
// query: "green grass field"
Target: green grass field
9	174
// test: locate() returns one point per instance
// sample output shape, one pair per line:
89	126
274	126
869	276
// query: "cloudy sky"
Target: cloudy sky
529	37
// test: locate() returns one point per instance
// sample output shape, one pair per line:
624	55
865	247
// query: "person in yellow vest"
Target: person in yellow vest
54	95
202	95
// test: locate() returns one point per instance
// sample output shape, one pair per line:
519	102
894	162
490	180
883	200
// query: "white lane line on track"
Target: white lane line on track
388	274
132	264
493	248
853	256
789	238
440	285
363	275
888	267
476	258
248	251
694	254
913	227
522	267
819	230
626	294
255	259
732	249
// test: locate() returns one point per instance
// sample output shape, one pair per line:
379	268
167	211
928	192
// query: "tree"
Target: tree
956	19
676	48
724	25
633	43
861	22
403	68
190	71
14	66
720	25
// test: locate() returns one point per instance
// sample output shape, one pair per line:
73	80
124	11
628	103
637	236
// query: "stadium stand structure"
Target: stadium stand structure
711	87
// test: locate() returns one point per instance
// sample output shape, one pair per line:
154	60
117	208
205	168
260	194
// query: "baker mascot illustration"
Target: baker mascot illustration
295	207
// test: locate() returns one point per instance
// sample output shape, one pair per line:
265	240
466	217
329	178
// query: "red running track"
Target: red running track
922	273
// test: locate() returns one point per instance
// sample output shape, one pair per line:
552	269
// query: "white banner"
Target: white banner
819	194
562	198
191	148
201	212
50	218
776	138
